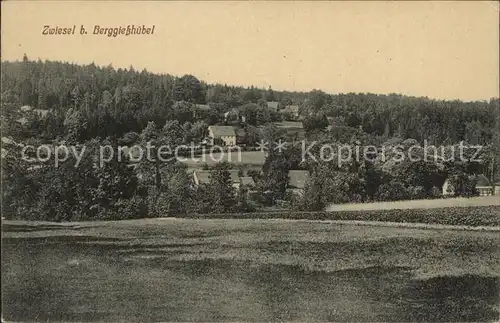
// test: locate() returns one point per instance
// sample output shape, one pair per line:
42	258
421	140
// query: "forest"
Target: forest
94	105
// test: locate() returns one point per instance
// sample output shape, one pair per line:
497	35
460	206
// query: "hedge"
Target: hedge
470	216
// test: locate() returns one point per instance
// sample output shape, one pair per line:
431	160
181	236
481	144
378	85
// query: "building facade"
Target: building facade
483	186
224	133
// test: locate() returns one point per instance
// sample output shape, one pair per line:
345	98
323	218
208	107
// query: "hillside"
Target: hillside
113	102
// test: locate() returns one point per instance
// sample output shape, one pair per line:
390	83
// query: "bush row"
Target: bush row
470	216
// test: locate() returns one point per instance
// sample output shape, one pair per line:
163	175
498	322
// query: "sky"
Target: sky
443	50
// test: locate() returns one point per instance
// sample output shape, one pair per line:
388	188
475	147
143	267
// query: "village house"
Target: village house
297	181
483	186
247	181
448	189
234	116
292	110
25	110
224	133
22	121
42	113
202	106
203	177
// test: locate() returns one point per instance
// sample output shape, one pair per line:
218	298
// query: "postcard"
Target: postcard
250	161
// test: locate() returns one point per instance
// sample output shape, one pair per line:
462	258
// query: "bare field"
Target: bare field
418	204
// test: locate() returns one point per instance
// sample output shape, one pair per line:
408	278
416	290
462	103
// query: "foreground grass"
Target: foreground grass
246	270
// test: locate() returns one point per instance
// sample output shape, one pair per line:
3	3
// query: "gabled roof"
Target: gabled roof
26	108
219	131
22	120
298	178
203	176
202	106
273	105
231	112
247	180
41	112
292	108
481	180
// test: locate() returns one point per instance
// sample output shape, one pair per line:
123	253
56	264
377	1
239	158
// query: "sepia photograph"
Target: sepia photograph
250	161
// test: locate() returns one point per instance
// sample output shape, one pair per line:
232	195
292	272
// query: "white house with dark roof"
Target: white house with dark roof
293	110
483	186
203	177
25	110
23	121
297	181
225	133
41	112
202	106
247	181
448	189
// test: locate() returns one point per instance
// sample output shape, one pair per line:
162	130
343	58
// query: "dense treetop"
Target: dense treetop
113	102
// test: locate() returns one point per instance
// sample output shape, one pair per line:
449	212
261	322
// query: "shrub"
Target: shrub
393	191
133	208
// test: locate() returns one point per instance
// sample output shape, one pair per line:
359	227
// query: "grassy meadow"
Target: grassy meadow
246	270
